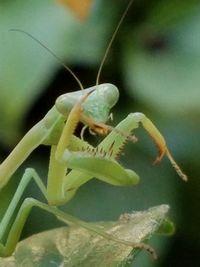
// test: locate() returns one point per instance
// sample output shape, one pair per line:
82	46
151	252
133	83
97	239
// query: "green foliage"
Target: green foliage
165	63
26	68
154	61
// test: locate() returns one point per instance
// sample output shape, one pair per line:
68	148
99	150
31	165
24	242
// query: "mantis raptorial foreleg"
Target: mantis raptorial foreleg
87	160
159	141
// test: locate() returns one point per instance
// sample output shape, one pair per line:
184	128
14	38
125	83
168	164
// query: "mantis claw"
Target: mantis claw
159	141
162	152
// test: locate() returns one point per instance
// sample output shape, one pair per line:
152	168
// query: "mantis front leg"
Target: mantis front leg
159	141
86	162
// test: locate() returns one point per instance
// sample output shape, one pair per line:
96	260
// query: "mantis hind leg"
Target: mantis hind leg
26	178
13	237
29	203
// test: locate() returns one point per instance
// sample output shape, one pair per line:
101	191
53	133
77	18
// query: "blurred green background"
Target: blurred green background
154	61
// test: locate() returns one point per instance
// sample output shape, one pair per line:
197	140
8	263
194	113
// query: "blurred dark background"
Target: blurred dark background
155	63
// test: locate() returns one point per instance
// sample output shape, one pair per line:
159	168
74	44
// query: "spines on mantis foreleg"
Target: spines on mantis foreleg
120	134
100	165
108	149
89	159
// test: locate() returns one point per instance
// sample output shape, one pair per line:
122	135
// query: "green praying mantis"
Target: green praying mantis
73	161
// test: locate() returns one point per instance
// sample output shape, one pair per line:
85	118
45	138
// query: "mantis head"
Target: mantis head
97	105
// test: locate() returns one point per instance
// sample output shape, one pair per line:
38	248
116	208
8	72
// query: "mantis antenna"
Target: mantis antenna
52	53
111	41
64	65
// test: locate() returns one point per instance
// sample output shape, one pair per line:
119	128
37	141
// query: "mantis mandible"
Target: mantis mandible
73	161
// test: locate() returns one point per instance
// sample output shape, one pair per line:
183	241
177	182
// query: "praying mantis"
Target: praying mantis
73	161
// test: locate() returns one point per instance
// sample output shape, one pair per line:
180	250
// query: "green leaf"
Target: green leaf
166	228
162	66
26	68
75	246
